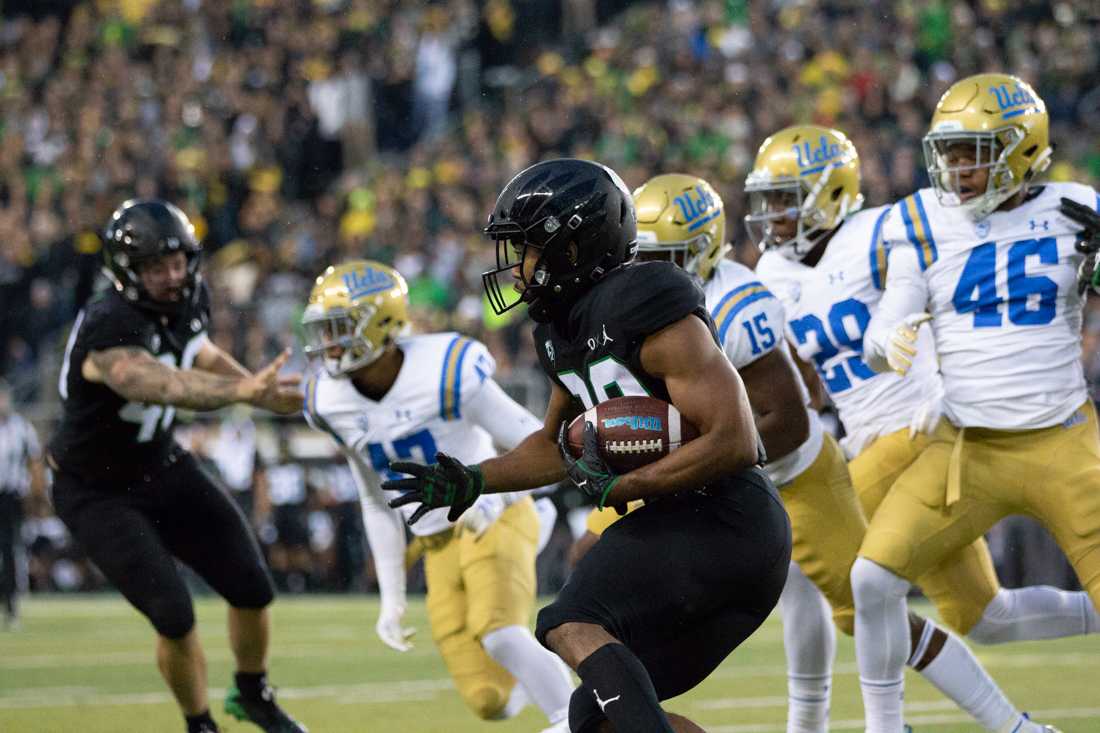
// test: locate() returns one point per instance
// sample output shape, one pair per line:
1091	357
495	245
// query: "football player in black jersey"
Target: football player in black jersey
130	495
675	586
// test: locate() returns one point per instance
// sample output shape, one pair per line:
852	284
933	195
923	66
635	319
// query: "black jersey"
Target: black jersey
595	353
101	434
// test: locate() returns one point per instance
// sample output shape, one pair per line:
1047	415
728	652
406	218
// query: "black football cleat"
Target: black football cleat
264	711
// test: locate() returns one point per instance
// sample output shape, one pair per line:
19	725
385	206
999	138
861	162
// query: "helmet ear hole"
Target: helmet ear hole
1030	151
837	192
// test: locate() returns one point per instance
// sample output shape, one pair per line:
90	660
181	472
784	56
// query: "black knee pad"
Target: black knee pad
258	592
584	713
171	617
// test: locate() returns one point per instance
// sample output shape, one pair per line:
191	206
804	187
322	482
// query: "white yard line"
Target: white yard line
368	692
919	721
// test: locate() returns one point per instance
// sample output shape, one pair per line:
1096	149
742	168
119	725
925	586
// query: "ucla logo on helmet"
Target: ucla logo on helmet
693	207
812	159
1012	99
366	282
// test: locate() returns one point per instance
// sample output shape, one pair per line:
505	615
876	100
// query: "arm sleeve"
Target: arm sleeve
385	530
507	421
906	293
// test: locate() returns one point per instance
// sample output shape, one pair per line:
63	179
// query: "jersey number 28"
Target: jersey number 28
850	311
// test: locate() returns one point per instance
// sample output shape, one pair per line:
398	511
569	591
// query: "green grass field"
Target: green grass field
87	665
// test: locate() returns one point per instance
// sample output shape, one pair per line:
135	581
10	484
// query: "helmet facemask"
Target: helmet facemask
786	199
577	215
344	329
558	272
688	255
989	151
511	250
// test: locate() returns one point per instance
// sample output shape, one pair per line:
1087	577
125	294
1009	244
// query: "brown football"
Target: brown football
632	431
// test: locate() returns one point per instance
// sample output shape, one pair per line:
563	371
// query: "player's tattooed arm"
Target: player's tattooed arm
536	461
772	386
709	393
213	358
134	374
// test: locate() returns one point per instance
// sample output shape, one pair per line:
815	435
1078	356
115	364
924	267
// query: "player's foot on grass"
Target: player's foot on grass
262	711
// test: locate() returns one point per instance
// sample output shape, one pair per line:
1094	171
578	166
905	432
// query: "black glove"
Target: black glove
590	473
445	483
1088	242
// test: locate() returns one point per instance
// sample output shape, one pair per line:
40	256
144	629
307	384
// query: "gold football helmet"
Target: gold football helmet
682	217
355	311
994	122
805	174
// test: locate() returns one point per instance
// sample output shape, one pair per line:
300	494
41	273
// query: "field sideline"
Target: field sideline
86	664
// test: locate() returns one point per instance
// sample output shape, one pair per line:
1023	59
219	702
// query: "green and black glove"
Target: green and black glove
590	473
1088	243
445	483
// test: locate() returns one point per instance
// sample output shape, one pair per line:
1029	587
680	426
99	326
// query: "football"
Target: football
632	431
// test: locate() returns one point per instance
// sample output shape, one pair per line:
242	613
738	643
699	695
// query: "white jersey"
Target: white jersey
1002	292
432	406
750	321
829	306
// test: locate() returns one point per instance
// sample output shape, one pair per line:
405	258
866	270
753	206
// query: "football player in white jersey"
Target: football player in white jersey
824	259
990	259
383	397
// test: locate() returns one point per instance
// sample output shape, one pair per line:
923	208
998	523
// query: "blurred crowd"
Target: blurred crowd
298	133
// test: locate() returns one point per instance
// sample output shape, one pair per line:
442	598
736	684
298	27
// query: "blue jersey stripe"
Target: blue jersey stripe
458	380
730	294
934	253
443	378
728	320
878	251
911	232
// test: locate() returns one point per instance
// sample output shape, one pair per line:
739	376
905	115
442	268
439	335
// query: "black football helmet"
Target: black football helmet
141	230
580	217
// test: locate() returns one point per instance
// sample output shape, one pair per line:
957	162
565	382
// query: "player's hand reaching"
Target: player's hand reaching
590	473
445	483
390	629
273	391
901	347
1088	243
1088	240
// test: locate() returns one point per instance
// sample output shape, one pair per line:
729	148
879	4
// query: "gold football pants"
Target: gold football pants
968	479
477	585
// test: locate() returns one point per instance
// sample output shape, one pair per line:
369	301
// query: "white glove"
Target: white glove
927	415
390	630
901	347
486	510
